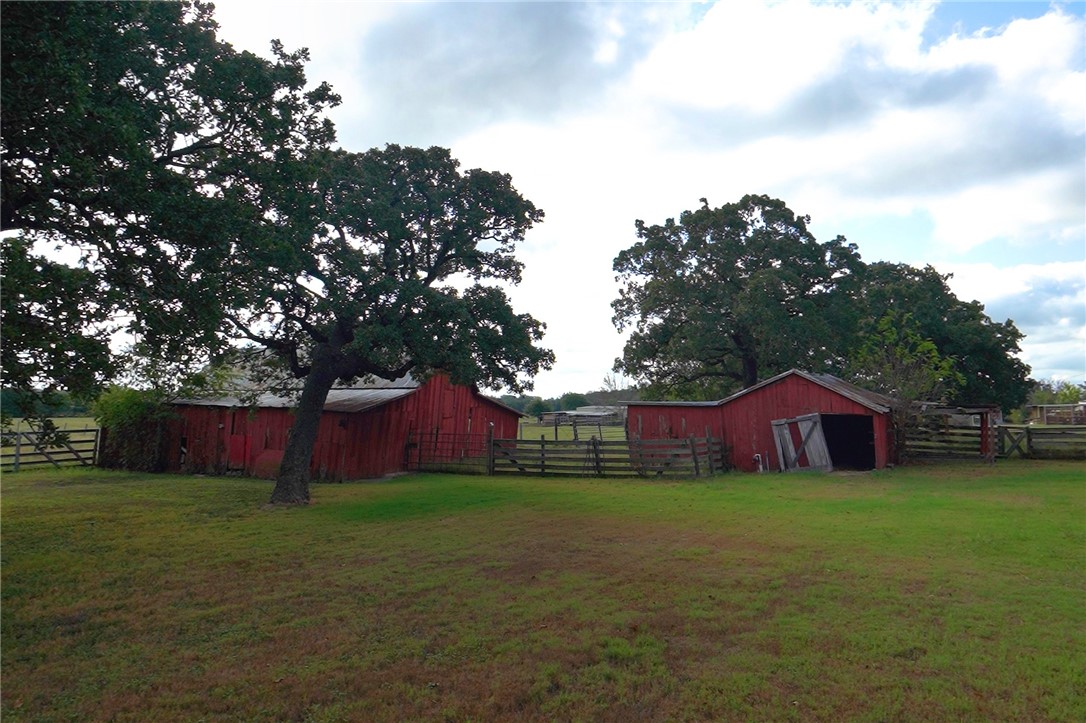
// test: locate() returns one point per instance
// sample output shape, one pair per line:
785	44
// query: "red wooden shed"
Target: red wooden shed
853	422
364	430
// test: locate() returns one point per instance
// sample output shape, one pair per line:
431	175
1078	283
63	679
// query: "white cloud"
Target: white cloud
989	282
756	56
1047	303
608	113
1019	209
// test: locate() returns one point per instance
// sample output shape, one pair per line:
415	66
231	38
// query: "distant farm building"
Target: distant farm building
365	431
795	420
1057	413
592	414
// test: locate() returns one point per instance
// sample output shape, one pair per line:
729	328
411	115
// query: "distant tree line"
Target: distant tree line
535	406
54	404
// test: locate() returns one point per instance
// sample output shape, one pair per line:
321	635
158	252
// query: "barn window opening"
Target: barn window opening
850	439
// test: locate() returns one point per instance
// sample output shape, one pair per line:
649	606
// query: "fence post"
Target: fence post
543	452
18	447
709	454
490	450
596	456
694	454
1029	441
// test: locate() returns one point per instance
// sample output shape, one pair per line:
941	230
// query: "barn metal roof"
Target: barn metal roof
872	400
339	400
348	399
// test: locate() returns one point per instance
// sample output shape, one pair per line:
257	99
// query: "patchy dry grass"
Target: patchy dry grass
926	593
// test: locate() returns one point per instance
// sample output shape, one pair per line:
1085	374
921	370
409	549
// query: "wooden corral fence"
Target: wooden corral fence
26	449
1008	441
692	457
956	442
1060	442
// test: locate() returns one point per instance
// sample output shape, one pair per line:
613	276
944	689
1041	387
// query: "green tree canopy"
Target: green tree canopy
984	353
572	400
896	361
141	147
536	407
729	296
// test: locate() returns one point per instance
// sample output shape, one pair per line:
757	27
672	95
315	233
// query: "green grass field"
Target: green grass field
932	593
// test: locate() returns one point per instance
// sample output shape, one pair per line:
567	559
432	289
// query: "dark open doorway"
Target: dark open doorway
850	439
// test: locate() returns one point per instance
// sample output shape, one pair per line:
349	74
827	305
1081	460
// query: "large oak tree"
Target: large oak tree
196	189
401	276
728	296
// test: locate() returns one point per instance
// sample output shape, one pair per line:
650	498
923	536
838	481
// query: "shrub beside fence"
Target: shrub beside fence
25	449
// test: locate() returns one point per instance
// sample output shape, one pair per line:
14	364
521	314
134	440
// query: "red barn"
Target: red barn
770	419
364	430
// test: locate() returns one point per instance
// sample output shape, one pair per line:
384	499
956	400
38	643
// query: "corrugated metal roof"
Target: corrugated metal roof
355	398
714	403
872	400
339	400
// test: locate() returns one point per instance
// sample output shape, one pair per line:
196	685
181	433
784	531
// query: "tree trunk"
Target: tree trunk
292	483
748	360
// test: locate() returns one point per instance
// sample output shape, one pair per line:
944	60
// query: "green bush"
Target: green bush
133	429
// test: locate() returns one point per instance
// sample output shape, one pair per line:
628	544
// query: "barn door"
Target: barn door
801	444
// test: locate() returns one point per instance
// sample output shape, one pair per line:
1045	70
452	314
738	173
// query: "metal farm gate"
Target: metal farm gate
77	447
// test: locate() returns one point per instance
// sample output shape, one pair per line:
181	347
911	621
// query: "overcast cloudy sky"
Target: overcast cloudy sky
942	133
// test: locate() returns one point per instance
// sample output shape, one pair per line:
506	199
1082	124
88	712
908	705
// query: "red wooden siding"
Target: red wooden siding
744	421
646	421
349	445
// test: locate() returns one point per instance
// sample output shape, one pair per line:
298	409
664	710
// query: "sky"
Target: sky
943	133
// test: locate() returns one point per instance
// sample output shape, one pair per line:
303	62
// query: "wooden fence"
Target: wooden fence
1056	442
961	442
1062	442
693	457
24	449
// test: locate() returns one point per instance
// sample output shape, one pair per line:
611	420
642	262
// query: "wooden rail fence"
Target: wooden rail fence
945	442
1063	442
24	449
693	457
1009	441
